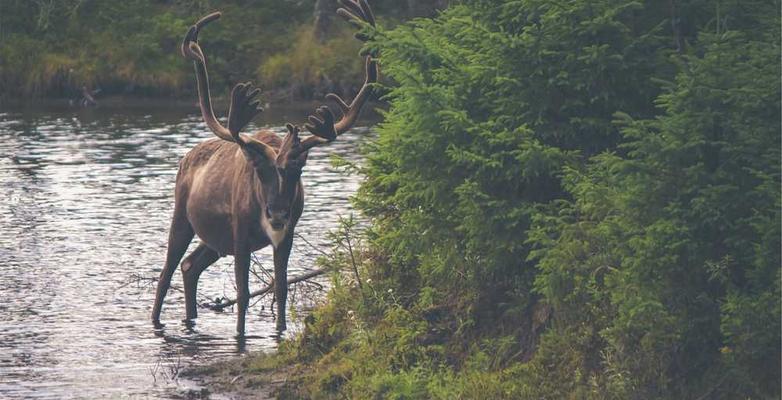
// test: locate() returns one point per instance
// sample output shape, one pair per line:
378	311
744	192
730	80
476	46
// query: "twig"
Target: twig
257	263
311	245
144	281
225	303
353	263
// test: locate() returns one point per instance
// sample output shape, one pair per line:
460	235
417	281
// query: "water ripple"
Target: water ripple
87	203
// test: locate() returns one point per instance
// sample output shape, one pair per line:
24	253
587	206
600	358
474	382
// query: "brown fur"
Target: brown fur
242	193
220	197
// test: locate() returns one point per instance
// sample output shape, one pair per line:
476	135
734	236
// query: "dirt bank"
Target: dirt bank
252	377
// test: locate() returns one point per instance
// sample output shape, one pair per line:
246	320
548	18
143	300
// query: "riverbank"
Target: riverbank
251	377
274	114
295	48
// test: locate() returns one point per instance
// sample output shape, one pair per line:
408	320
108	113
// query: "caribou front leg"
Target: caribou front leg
281	254
242	275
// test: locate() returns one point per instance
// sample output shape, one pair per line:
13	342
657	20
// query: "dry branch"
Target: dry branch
225	303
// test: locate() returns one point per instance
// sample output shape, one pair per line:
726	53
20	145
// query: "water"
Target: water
87	197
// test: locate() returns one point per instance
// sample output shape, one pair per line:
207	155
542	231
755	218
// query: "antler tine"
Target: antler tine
190	47
352	111
192	51
244	106
351	10
356	10
292	138
322	125
370	16
293	147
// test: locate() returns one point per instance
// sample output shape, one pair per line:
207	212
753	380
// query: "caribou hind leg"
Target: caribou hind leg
179	237
192	267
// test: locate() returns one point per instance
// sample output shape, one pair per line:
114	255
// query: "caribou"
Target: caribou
240	193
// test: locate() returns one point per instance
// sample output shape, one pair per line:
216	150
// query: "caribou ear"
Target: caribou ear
291	154
260	154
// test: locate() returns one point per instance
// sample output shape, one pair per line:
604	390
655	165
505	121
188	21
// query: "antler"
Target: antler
244	106
322	124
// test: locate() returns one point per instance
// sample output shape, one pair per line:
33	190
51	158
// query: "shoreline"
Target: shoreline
275	113
253	376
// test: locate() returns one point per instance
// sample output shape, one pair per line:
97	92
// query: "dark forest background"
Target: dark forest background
293	48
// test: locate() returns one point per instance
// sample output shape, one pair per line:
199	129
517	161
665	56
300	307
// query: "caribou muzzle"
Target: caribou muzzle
278	217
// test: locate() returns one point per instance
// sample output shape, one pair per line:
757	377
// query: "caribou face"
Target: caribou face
279	180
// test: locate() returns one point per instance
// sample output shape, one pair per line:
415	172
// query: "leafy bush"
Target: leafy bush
567	200
673	251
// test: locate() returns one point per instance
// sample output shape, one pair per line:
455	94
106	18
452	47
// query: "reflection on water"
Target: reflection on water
87	197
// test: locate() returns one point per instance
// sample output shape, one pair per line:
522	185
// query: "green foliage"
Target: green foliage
310	64
116	45
54	47
484	120
673	250
567	200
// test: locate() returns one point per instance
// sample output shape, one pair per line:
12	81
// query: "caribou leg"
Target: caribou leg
179	237
242	276
281	254
192	267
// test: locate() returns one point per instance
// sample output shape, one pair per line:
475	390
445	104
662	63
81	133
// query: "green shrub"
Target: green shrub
312	64
568	200
669	249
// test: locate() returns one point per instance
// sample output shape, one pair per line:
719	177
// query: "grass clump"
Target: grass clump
311	67
53	48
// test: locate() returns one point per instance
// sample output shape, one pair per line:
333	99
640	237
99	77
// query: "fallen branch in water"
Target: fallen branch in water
225	303
141	281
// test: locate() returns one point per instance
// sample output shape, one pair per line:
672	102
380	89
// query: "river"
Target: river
87	197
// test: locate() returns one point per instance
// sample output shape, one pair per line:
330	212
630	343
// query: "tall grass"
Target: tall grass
311	66
132	47
33	66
